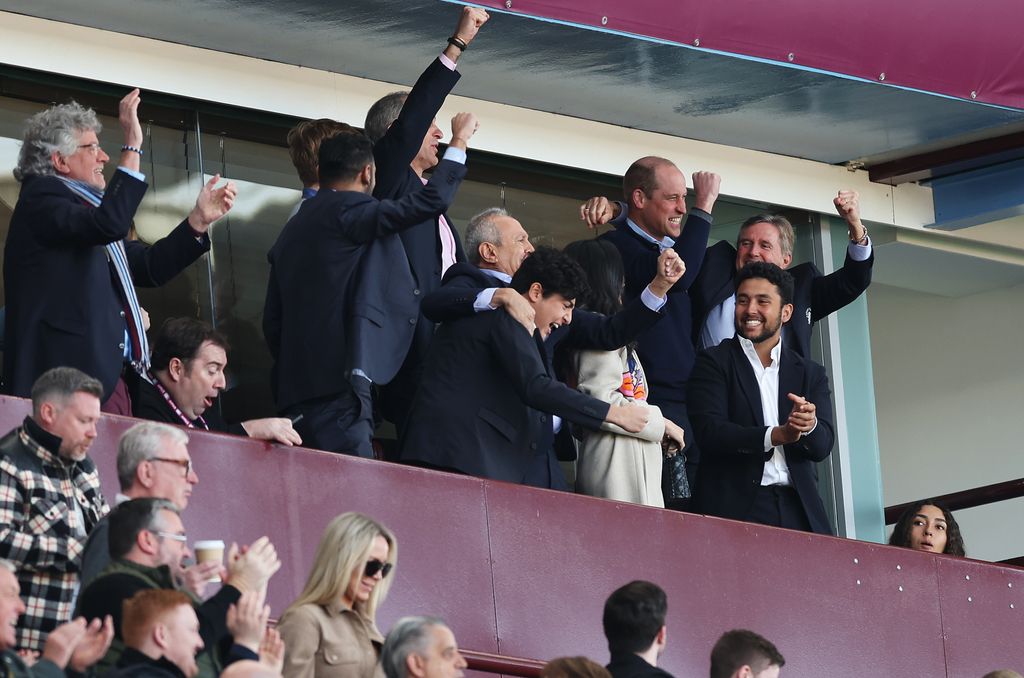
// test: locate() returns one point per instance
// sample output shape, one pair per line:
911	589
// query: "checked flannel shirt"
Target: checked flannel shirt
47	506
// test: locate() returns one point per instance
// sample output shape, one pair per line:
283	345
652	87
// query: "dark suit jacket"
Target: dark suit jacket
63	306
815	296
331	309
630	665
482	407
728	422
587	331
665	349
395	179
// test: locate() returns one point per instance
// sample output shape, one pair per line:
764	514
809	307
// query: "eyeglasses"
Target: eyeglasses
94	147
375	566
170	535
183	463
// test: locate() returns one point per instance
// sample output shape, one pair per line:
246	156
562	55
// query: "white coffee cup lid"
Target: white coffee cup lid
209	544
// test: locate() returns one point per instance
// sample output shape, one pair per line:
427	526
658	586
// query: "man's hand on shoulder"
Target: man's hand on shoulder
706	186
516	306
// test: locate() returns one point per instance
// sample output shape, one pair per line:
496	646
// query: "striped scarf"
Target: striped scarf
118	258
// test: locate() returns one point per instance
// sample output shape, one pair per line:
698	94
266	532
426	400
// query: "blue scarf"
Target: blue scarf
119	260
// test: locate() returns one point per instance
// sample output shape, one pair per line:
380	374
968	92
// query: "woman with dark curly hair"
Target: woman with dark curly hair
928	526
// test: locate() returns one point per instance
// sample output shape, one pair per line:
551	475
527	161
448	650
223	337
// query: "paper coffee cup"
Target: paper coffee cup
209	551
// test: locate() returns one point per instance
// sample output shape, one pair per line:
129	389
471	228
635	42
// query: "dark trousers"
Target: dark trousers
779	505
342	422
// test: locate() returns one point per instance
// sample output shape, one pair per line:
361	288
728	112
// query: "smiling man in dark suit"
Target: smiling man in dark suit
341	301
761	414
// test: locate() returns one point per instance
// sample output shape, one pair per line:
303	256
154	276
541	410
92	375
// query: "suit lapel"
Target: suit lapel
791	380
748	383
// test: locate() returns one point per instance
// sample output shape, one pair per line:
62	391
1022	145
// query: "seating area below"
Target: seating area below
523	572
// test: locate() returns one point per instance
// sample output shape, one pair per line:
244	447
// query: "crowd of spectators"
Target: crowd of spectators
677	375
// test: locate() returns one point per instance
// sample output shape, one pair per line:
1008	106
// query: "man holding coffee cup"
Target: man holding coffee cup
152	461
147	539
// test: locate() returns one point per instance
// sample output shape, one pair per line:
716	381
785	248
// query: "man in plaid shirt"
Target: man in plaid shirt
50	498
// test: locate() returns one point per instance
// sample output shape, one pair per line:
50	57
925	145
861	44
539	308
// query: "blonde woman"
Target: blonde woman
330	631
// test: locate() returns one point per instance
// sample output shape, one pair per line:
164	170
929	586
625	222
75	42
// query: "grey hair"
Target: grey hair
9	566
60	383
408	636
141	443
383	112
482	229
54	130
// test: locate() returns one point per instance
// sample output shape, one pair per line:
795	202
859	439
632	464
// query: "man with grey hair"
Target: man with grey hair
50	497
405	137
70	267
152	461
421	647
74	644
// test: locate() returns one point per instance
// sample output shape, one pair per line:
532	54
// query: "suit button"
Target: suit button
533	446
416	292
543	417
122	314
121	346
412	321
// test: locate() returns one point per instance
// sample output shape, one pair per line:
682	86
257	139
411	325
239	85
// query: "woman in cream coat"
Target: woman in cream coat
331	630
614	463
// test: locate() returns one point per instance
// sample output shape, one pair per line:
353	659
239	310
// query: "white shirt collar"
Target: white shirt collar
500	275
665	243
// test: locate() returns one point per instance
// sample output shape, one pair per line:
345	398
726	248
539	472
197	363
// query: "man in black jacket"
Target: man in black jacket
761	414
634	624
342	303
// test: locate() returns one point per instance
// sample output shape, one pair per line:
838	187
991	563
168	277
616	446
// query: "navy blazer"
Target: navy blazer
63	306
482	406
587	331
814	296
337	300
728	423
665	349
395	179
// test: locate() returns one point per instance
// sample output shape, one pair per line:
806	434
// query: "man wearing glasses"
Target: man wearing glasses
147	544
50	498
152	461
70	267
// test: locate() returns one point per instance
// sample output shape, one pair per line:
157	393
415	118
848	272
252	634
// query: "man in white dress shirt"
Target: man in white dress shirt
761	414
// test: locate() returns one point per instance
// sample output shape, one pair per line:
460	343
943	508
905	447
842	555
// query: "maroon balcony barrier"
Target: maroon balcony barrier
524	573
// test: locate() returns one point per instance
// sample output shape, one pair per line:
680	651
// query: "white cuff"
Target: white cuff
483	300
652	300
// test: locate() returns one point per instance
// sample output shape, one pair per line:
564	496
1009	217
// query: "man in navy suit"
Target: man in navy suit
341	302
70	267
770	238
406	136
761	414
488	392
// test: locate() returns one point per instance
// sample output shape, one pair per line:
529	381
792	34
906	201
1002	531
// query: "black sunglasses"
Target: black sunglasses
375	566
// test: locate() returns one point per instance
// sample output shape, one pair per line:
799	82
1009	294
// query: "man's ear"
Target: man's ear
160	636
487	252
48	413
176	369
535	293
637	198
414	665
787	312
366	175
60	163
